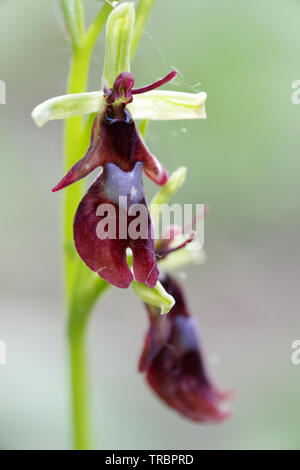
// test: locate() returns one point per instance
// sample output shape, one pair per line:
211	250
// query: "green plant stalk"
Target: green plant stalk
82	288
79	390
76	138
142	14
74	149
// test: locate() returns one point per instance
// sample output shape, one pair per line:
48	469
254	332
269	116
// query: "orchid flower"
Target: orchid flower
173	361
117	148
172	357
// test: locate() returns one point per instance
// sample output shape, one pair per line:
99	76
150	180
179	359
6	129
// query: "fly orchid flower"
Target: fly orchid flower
117	148
115	138
173	362
172	357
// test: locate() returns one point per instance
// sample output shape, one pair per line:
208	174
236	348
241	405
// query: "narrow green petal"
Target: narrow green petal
142	13
171	187
95	28
192	254
119	31
66	106
158	296
74	18
162	105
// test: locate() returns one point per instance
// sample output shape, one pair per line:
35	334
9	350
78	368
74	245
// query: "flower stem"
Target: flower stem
142	13
80	392
79	305
74	149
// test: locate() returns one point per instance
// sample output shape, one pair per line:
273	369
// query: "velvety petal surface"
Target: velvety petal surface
173	361
101	228
115	139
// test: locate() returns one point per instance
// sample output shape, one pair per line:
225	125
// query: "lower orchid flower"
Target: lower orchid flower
172	356
173	362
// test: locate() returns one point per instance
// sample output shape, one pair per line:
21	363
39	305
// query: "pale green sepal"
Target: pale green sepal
158	296
161	105
66	106
119	31
173	185
192	254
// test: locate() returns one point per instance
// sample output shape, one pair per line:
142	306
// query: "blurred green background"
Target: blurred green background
243	160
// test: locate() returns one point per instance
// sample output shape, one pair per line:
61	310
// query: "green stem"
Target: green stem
74	149
74	19
142	13
76	138
97	25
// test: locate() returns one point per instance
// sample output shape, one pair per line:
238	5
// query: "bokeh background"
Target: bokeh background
243	160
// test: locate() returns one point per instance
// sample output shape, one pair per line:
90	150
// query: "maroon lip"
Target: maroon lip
174	363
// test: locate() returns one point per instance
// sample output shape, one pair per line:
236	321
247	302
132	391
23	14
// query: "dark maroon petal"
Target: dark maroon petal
107	255
144	262
88	163
152	167
178	376
173	361
156	338
121	144
115	139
